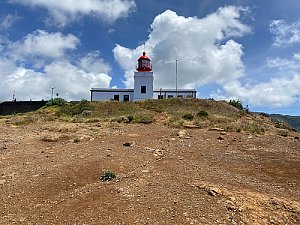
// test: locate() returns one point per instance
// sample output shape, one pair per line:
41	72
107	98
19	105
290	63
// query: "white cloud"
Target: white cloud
285	33
93	64
284	64
63	12
208	54
8	21
278	92
41	44
203	48
71	79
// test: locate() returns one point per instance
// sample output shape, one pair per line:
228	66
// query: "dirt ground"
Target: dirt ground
49	174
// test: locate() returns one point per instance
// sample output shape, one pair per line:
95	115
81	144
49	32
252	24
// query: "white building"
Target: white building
143	87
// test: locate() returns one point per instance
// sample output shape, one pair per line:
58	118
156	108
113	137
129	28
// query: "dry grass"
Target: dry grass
203	113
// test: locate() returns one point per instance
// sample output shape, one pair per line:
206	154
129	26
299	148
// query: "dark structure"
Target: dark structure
7	108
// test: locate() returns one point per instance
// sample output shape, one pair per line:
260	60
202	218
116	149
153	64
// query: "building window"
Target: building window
170	96
160	96
143	89
126	98
179	96
116	97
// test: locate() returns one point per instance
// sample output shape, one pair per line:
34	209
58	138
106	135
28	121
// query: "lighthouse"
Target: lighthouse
143	79
143	87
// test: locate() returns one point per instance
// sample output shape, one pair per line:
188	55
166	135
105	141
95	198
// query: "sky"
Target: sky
247	50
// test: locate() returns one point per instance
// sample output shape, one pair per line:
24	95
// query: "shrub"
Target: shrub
76	140
283	133
56	101
145	119
188	116
202	113
107	176
24	121
237	104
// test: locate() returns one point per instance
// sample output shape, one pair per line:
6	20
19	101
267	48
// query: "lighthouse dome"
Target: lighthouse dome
144	63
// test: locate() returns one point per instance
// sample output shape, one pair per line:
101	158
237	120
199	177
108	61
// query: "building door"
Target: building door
116	97
126	98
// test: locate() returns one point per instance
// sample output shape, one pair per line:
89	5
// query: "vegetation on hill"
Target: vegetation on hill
177	113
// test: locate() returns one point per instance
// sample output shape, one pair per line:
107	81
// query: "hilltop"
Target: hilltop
175	161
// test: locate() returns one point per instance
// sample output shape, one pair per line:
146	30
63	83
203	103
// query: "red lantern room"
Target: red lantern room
144	63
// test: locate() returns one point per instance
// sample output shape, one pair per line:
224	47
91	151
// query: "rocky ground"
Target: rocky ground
49	174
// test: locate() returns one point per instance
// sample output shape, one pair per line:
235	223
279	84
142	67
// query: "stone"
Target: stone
191	126
86	113
216	129
2	182
158	152
129	143
182	133
149	149
220	138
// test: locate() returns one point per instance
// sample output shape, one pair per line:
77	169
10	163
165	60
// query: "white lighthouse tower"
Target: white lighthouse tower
143	79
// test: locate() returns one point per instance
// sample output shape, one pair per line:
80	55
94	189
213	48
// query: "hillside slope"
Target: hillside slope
227	167
293	121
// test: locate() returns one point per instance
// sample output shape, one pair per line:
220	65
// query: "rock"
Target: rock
296	138
216	129
213	191
149	149
2	182
220	138
158	152
129	143
191	126
182	134
223	133
86	113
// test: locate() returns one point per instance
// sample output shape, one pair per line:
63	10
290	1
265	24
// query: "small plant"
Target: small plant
76	140
145	119
202	113
24	121
107	176
56	101
237	104
283	133
188	116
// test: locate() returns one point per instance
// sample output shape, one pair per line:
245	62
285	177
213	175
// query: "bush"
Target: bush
188	116
237	104
202	113
56	101
107	176
77	108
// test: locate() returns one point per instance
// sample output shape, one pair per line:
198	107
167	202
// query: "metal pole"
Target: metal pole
176	79
52	92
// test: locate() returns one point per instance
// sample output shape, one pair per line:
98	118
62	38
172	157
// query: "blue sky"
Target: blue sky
235	49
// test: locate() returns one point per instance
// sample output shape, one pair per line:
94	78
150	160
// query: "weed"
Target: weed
145	119
56	101
188	116
24	121
76	140
202	113
283	133
107	176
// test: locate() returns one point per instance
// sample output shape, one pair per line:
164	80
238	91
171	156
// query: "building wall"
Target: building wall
105	96
172	94
143	79
7	108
